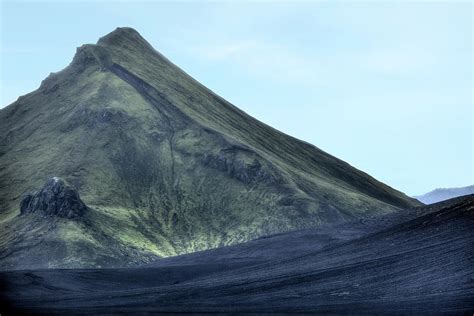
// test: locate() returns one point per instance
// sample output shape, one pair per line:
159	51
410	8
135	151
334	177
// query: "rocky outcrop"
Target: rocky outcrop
240	170
54	199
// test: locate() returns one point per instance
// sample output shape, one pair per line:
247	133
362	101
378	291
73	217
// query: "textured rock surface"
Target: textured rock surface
54	199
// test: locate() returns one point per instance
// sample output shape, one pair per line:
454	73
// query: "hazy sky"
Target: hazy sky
385	86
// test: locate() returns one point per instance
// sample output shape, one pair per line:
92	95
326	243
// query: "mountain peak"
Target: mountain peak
121	32
123	36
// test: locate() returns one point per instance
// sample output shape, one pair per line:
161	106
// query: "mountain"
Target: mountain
417	262
155	165
439	195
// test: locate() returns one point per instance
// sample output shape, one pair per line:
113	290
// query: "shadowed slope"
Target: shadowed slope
165	165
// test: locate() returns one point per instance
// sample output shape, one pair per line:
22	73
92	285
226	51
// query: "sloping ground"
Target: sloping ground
164	166
423	265
297	243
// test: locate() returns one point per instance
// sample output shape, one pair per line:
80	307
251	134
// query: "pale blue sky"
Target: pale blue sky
385	86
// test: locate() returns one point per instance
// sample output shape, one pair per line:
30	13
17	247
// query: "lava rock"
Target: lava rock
54	199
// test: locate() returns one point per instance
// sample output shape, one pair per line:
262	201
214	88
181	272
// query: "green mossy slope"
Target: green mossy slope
165	166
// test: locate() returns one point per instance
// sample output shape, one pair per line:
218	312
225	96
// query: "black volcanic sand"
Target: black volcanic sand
418	265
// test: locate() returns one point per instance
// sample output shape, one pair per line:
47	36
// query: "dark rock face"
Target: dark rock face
240	170
54	199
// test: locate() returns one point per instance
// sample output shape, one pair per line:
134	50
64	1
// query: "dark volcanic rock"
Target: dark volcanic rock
240	170
54	199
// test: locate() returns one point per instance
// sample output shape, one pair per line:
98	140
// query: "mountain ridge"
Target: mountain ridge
441	194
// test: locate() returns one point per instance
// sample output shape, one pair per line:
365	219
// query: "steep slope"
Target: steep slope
421	265
164	165
439	195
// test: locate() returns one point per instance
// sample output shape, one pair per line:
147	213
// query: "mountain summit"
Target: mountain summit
125	37
163	165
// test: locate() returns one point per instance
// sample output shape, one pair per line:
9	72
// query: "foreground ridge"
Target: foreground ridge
420	264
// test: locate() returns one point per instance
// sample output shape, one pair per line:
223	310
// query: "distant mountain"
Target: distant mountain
154	164
444	194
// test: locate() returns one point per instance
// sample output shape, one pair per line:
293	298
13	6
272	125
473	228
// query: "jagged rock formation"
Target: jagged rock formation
165	166
54	199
